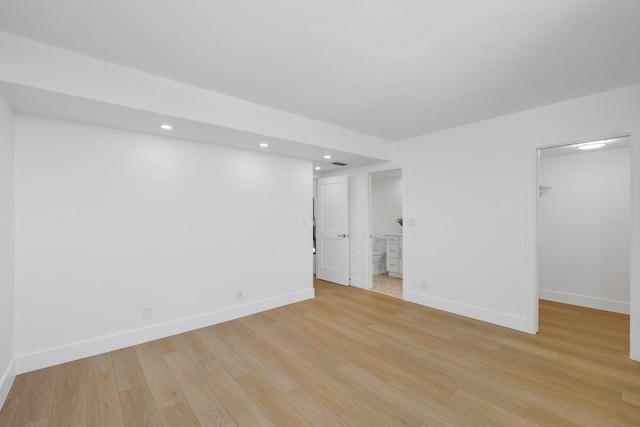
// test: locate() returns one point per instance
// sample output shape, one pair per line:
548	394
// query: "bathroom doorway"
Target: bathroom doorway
385	232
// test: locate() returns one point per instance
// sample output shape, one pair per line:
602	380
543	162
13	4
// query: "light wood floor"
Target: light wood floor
349	357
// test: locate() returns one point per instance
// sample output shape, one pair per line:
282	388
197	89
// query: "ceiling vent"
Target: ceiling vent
339	164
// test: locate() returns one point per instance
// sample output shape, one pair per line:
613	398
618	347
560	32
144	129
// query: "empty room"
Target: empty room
162	162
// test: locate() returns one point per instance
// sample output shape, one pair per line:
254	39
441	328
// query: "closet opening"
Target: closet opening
584	229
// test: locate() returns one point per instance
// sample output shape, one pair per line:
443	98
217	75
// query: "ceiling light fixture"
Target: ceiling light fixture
327	156
264	145
317	168
166	127
591	145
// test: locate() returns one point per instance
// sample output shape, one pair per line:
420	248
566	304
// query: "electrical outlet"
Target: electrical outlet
147	313
239	294
423	285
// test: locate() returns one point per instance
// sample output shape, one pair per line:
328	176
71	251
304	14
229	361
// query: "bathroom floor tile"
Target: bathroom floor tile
384	284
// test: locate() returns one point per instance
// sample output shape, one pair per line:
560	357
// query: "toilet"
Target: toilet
378	261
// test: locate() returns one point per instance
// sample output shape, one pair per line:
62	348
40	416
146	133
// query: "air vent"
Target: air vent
339	164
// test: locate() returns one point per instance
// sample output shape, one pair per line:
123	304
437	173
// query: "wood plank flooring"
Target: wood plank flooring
348	358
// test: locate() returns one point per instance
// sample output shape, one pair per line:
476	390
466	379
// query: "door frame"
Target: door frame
532	308
369	234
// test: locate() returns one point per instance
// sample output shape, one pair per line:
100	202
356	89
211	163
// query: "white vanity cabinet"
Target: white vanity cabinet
394	255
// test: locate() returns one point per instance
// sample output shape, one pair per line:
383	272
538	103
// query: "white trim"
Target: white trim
531	278
501	319
585	301
634	273
79	350
368	271
6	381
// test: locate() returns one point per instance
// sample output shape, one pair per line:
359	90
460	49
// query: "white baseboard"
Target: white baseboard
497	318
79	350
585	301
6	381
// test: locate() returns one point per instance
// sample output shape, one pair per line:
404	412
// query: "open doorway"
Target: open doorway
385	232
584	224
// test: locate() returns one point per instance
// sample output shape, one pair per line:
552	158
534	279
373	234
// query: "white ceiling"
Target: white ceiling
572	149
65	107
392	69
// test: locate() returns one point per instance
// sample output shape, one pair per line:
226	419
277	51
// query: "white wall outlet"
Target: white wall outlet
239	294
304	222
410	222
423	285
147	313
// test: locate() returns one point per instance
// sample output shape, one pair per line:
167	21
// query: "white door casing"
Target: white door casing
332	251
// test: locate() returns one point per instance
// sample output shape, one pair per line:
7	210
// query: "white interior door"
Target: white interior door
332	234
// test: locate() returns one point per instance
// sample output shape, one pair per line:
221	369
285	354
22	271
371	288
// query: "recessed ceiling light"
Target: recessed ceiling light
264	145
166	127
327	156
591	145
317	168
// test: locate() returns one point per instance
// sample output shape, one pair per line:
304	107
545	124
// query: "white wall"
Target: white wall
584	229
472	192
7	371
468	198
109	222
386	205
